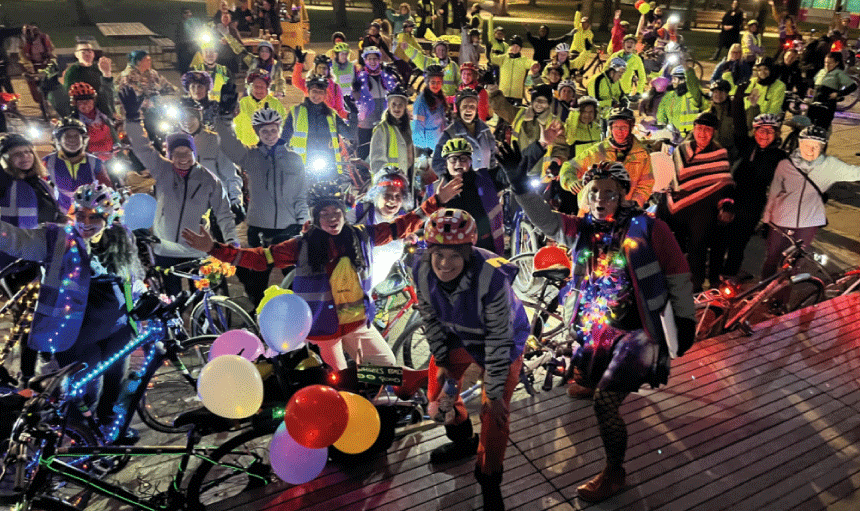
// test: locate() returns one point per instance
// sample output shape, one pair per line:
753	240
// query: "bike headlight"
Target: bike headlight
171	111
672	59
319	165
674	19
117	167
164	126
535	183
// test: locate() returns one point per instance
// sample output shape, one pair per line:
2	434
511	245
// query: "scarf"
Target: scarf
621	149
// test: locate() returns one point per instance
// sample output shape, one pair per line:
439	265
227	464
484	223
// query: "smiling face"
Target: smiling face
587	114
72	141
265	53
447	264
468	110
321	69
810	149
604	196
764	136
467	76
269	134
397	106
629	46
259	89
702	135
719	96
21	157
182	157
762	72
316	95
620	131
372	61
389	201
331	220
458	164
89	223
566	94
85	56
435	84
540	104
85	106
145	64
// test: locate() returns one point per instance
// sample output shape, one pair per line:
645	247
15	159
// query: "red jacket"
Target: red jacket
483	99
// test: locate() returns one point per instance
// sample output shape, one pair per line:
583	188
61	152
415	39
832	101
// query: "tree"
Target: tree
81	13
340	13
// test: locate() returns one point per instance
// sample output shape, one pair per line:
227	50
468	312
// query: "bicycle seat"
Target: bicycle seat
554	274
204	421
392	285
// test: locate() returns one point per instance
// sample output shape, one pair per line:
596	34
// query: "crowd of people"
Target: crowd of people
441	157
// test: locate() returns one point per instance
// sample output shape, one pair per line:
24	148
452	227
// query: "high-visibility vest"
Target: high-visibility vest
299	140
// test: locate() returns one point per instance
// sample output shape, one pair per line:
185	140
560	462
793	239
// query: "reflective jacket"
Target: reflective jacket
512	74
637	162
770	97
389	147
247	106
682	111
68	176
483	145
451	78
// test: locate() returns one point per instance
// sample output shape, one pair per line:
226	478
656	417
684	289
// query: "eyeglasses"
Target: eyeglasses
462	158
602	195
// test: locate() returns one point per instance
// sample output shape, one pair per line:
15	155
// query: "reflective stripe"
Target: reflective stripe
268	253
648	270
299	140
657	302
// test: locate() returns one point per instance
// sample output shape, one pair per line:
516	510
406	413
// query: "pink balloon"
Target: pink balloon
292	462
237	342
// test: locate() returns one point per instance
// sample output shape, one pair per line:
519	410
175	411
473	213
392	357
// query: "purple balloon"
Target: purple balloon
237	342
292	462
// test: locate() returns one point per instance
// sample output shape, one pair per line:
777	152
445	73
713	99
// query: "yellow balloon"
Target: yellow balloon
362	428
270	293
644	8
230	386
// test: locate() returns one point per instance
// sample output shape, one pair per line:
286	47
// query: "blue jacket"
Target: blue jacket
426	132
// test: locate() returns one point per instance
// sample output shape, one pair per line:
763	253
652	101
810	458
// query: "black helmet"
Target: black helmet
465	92
707	119
608	170
325	193
317	81
620	114
322	58
434	70
69	123
397	91
515	39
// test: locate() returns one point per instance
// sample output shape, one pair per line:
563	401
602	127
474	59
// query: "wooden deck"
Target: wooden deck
770	421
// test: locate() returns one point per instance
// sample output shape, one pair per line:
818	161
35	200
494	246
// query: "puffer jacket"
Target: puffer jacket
182	202
637	163
277	180
482	142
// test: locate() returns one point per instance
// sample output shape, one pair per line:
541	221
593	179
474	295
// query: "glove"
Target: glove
349	101
300	55
554	168
509	158
588	45
229	99
238	212
131	103
686	334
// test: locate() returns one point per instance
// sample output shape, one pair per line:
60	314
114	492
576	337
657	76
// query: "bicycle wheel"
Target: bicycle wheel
169	392
851	99
240	464
528	242
804	293
413	344
707	318
223	314
549	325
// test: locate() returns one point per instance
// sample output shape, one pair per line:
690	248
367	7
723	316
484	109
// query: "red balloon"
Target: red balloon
638	3
316	416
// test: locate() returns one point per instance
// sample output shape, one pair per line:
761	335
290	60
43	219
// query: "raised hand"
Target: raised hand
131	103
229	98
105	66
450	189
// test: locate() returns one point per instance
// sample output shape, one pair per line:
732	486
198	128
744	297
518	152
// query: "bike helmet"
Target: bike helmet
81	90
816	133
200	77
721	85
99	198
660	84
474	32
772	120
261	74
266	44
617	64
451	227
388	176
265	116
608	170
322	58
409	23
567	83
469	66
629	37
322	194
341	48
620	114
550	258
440	42
456	146
587	100
318	82
516	40
70	123
562	48
465	92
679	72
369	50
435	70
397	92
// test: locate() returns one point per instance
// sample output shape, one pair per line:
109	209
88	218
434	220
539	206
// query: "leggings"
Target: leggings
613	430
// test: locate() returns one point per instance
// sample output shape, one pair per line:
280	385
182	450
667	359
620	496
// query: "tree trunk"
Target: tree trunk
587	8
501	7
81	13
690	13
532	3
340	17
608	13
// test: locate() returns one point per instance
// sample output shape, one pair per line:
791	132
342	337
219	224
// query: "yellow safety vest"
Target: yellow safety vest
393	151
299	140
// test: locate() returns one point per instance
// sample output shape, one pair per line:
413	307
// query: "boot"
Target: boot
574	389
464	443
606	484
491	489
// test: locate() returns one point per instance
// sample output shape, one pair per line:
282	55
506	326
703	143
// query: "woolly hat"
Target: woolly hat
175	140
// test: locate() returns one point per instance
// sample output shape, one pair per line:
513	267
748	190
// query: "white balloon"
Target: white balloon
230	386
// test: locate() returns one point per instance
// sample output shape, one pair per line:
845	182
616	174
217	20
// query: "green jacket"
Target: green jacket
682	111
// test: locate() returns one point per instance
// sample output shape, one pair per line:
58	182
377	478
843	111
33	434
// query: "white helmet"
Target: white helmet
266	115
562	47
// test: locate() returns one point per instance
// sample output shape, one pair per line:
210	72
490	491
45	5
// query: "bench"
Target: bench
708	19
165	47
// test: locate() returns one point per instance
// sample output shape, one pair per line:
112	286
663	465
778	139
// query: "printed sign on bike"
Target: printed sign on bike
380	375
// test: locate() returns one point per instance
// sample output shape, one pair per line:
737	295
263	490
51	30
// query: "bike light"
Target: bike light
319	165
205	38
34	133
728	291
535	183
118	167
674	19
164	127
672	59
171	111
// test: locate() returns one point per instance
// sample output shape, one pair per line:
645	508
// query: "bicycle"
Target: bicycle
726	307
15	121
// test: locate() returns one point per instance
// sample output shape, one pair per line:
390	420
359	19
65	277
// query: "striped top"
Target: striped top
699	175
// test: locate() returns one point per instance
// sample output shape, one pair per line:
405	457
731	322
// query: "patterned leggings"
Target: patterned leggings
613	431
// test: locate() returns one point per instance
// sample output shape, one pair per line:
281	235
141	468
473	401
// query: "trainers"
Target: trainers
576	390
604	485
454	451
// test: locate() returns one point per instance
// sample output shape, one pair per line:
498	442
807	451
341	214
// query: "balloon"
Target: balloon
139	211
644	8
285	322
292	462
638	3
316	416
230	386
270	293
362	428
237	342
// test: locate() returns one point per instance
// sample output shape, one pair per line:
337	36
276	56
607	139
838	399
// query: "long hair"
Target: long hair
434	100
117	252
403	125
